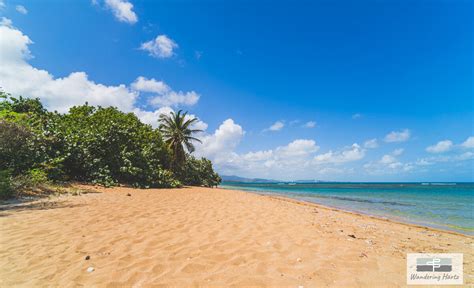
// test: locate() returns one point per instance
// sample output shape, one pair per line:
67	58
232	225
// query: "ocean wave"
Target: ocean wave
371	201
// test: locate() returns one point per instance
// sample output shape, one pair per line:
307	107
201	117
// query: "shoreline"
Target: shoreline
197	236
375	217
354	212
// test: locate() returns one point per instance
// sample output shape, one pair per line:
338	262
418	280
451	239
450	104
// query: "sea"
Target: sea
447	206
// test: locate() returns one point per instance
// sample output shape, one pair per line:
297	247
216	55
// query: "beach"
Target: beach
207	237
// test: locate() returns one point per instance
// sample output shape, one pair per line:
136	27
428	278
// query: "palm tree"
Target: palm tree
177	132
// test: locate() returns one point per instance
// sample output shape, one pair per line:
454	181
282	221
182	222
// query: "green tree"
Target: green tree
178	134
199	172
95	145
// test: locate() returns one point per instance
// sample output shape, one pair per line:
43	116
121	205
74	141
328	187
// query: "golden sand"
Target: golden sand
207	237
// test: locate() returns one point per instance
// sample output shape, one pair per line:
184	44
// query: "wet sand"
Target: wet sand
207	237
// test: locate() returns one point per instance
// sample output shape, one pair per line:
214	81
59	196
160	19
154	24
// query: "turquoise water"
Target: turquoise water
447	206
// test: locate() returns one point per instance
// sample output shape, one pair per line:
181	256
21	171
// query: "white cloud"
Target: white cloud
220	145
2	4
297	148
469	143
371	144
281	162
356	116
398	152
352	153
445	158
122	10
465	156
310	124
387	159
76	88
440	147
174	98
6	22
160	47
398	136
164	95
56	93
21	9
277	126
284	160
150	85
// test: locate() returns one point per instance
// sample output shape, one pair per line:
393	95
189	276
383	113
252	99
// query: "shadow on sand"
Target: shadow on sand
43	199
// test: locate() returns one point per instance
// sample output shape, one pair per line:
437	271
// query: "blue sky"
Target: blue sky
288	90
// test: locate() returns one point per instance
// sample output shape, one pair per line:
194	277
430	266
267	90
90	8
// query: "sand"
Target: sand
207	237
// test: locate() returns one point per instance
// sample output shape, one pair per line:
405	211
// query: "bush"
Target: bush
6	190
17	152
37	176
88	144
199	172
35	179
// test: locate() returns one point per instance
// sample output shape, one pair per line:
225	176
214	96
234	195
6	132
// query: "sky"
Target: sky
288	90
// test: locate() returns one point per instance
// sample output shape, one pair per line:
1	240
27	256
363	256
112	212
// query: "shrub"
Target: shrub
37	176
6	190
89	144
17	151
199	172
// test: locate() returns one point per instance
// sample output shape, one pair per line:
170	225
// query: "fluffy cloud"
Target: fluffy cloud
5	22
387	159
352	153
21	9
220	145
310	124
122	10
160	47
391	158
398	136
371	144
174	98
445	158
150	85
398	152
164	95
297	148
295	159
282	161
57	93
388	164
465	156
469	143
277	126
440	147
76	88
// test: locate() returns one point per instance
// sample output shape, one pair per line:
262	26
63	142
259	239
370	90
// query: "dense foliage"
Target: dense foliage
90	144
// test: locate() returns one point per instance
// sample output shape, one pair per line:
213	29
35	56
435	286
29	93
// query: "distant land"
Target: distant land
233	178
